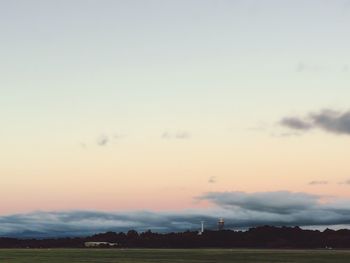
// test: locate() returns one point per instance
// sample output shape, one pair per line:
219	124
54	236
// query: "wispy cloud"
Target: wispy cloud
318	182
212	179
316	68
275	202
118	136
83	145
285	134
302	67
332	121
180	135
102	140
346	182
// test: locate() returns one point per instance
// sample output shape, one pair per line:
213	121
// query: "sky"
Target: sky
166	110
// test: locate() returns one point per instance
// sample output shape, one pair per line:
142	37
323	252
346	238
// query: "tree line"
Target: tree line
258	237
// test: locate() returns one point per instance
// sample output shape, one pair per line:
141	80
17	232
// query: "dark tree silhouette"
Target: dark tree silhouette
259	237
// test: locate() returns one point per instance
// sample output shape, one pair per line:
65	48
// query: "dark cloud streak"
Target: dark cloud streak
296	123
328	120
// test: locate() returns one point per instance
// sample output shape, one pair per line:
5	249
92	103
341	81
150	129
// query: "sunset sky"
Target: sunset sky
172	109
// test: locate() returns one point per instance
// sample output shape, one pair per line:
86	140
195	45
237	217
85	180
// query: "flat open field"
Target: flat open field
170	255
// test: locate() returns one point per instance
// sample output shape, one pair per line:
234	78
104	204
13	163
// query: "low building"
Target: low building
100	244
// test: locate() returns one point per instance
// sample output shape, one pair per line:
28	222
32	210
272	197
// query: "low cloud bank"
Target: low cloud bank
239	209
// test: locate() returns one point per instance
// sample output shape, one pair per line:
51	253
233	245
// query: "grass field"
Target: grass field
170	256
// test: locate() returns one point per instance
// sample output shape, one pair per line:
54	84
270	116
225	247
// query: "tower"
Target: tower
221	224
200	232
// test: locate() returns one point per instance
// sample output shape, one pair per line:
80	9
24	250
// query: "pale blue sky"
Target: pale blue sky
61	60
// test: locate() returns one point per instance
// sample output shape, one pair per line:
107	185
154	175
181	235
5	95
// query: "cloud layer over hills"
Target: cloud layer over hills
239	209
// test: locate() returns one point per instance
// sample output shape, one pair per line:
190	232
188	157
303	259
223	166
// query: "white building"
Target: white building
100	244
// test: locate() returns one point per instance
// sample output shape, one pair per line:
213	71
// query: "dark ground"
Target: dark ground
171	256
